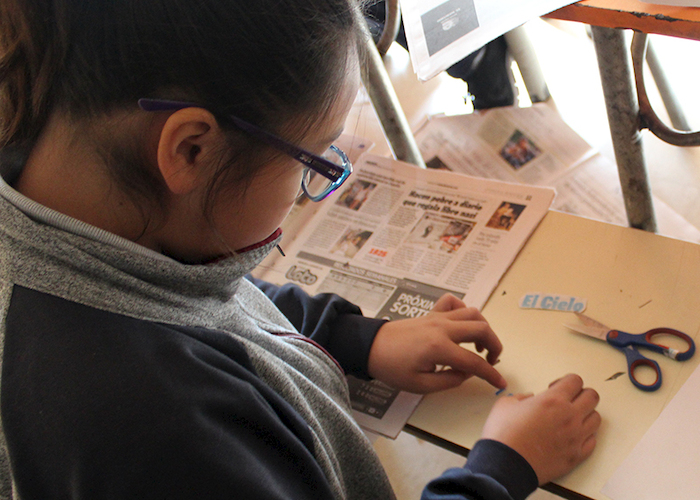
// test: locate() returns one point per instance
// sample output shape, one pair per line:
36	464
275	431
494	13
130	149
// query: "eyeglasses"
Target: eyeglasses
322	174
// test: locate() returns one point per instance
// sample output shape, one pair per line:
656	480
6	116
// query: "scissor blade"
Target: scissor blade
591	322
591	331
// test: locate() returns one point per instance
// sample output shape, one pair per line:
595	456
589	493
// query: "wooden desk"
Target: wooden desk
633	280
683	22
608	19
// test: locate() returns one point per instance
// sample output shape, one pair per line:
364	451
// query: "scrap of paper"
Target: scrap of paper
553	302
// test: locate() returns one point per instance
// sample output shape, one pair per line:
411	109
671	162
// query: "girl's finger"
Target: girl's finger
438	381
465	361
476	332
448	302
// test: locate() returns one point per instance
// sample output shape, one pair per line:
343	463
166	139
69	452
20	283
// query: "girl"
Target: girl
150	150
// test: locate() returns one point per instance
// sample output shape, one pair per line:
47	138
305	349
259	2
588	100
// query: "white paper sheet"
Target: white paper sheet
666	462
442	32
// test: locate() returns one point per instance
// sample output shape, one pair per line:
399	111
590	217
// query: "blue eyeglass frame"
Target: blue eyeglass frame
337	174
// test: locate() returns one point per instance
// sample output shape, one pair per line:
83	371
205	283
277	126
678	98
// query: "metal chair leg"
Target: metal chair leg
673	108
523	52
623	117
391	26
385	101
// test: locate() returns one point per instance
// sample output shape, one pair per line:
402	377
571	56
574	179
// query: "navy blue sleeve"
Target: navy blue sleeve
96	406
329	320
493	471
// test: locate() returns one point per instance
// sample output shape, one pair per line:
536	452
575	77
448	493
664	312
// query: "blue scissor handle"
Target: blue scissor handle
621	339
634	360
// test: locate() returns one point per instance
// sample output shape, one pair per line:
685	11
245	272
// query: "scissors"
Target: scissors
628	342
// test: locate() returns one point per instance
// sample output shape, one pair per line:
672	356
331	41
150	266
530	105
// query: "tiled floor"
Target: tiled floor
568	61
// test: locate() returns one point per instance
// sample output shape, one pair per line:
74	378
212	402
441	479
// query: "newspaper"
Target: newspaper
534	145
394	239
442	32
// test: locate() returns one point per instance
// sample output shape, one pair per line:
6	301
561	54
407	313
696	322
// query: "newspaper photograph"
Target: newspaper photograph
395	238
443	32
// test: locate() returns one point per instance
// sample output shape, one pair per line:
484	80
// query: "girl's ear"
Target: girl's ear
189	137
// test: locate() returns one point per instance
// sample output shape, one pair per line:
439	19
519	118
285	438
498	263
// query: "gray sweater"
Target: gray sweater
65	283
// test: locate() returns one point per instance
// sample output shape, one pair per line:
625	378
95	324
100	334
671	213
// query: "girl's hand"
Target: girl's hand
554	431
406	353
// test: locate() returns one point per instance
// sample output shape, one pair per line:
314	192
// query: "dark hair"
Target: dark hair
265	61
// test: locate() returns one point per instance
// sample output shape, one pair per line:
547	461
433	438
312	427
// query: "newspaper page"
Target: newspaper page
534	145
395	238
530	145
443	32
